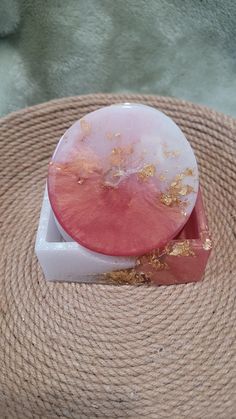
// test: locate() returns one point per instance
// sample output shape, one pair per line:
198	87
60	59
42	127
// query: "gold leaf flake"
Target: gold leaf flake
153	259
173	153
179	177
188	172
117	156
180	249
85	126
120	154
206	241
185	190
169	200
207	244
177	189
169	153
166	199
126	277
147	171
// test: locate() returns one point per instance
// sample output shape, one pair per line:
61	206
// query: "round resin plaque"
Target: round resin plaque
123	180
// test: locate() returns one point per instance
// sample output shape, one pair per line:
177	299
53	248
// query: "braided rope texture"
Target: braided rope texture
102	351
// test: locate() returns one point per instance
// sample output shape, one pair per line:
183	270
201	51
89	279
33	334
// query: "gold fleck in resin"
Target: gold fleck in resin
169	200
172	200
153	259
117	156
169	153
87	167
185	190
85	126
206	241
120	154
174	153
126	277
180	249
176	190
162	177
82	167
207	244
188	172
148	170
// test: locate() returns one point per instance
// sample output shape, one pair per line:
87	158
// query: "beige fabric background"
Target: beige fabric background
56	48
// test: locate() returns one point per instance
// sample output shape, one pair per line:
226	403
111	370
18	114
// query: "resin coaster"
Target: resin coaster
122	185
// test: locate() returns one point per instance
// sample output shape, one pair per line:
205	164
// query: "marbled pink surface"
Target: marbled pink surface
109	174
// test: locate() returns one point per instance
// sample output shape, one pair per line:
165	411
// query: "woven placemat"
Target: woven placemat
86	351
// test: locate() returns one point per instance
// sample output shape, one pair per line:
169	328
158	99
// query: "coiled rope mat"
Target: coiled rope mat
82	351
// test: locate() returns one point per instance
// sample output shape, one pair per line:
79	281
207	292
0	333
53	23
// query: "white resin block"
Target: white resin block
69	261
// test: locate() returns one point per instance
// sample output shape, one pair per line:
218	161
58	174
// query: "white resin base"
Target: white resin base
69	261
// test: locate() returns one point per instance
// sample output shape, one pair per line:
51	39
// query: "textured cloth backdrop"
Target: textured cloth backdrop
56	48
101	351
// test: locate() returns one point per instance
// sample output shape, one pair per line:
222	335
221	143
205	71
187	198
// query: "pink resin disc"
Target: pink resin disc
123	180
